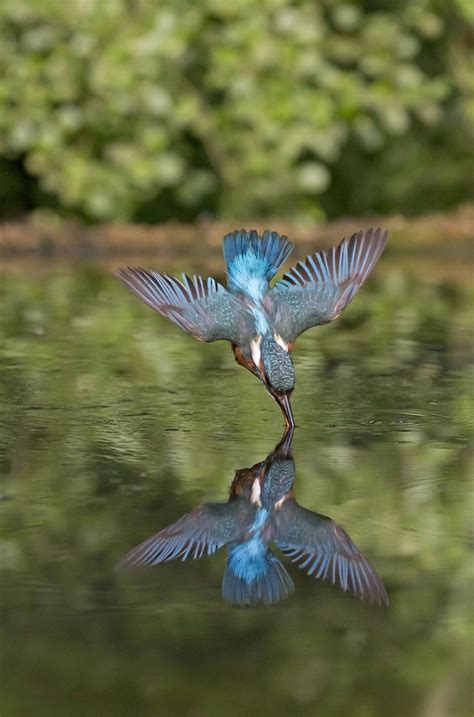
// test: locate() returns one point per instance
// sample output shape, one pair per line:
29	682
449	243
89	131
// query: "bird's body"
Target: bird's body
262	510
262	323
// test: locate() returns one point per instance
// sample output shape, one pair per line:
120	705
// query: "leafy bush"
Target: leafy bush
143	110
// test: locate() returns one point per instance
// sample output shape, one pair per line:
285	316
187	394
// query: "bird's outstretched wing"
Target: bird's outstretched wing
201	307
200	532
322	548
317	289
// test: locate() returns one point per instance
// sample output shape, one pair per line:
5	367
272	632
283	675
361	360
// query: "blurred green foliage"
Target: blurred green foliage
145	110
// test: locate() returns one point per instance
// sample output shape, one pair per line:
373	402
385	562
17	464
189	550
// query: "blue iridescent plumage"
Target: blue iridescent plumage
254	574
263	323
252	261
261	511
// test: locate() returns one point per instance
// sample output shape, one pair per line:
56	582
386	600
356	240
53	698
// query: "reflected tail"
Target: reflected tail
251	579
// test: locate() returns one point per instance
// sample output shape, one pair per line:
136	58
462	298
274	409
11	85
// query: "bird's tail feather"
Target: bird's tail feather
269	584
271	248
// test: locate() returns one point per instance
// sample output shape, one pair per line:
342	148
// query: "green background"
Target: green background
145	110
113	424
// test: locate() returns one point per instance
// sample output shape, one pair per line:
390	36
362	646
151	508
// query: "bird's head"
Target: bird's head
278	375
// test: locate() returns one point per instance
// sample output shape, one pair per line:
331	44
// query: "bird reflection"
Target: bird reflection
262	510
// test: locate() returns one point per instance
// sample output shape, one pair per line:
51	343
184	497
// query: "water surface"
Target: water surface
113	424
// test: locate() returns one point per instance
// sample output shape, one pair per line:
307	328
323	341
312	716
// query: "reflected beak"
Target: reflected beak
285	405
284	447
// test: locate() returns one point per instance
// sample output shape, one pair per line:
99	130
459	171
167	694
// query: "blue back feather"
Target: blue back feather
252	260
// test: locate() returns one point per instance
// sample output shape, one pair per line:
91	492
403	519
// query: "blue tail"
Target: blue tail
249	256
253	578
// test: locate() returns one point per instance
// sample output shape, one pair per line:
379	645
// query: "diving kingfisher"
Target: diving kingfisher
263	323
261	510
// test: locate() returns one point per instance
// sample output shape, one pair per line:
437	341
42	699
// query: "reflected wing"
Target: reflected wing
316	290
323	549
201	307
200	532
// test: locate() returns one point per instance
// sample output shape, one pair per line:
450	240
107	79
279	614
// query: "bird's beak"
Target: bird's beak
285	405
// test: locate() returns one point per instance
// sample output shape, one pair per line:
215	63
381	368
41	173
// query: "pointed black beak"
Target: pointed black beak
285	405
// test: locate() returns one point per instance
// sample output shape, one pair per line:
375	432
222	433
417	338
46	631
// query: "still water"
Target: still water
113	424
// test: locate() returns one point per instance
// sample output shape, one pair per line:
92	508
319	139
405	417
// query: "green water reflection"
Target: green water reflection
113	424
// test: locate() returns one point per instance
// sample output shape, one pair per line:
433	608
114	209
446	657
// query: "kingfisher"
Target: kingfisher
262	510
261	322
